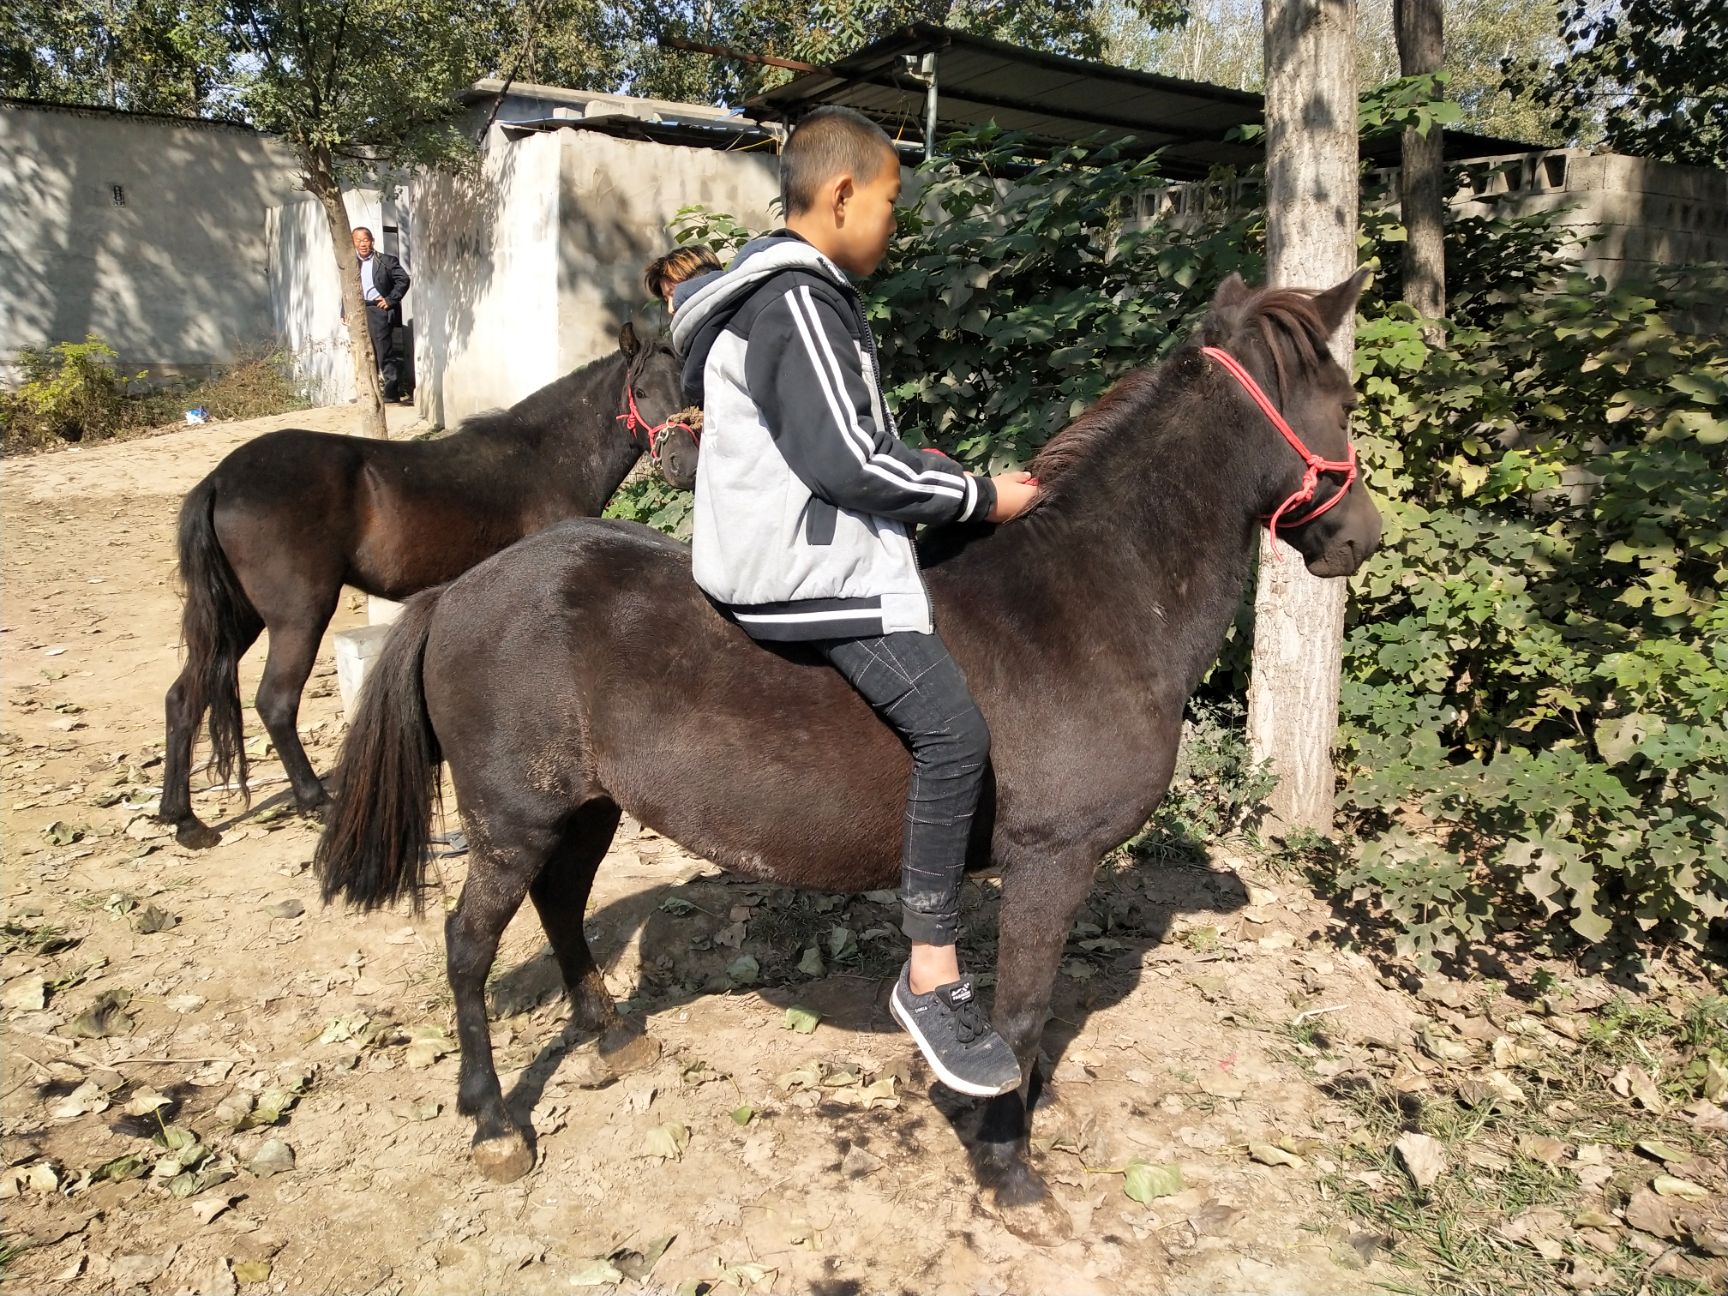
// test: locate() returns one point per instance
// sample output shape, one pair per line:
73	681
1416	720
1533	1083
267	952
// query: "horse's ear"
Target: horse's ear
1220	321
1338	303
1232	292
627	342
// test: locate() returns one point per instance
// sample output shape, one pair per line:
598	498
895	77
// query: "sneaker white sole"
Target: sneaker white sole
969	1087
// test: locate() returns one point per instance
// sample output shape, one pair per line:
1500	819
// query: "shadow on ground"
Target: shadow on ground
837	954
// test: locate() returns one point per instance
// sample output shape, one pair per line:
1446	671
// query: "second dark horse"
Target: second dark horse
270	537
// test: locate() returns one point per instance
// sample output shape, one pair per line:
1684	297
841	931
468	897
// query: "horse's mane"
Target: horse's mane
549	401
1285	320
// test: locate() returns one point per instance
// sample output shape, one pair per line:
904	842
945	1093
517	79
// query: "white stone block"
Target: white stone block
356	650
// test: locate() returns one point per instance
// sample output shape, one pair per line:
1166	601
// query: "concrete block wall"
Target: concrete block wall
1634	217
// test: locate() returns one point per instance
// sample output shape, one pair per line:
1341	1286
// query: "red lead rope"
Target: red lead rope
632	420
1315	464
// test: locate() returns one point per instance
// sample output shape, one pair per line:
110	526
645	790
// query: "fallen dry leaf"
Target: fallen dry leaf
1214	1218
26	994
274	1157
1540	1147
1684	1189
1272	1155
1651	1214
594	1273
666	1141
1634	1082
105	1017
1423	1158
145	1101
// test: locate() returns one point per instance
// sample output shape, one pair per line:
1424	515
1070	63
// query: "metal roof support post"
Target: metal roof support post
923	69
928	68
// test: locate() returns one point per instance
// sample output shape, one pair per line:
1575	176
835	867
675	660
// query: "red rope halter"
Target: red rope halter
1316	466
633	421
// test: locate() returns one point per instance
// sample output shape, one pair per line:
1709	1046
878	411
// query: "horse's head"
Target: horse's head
654	374
1312	494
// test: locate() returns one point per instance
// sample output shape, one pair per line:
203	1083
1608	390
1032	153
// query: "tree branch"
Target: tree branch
515	66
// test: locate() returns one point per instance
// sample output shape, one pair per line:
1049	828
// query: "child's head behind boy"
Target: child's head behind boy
839	181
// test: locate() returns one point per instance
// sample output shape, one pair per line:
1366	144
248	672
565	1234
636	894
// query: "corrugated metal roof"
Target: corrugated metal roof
740	134
1052	98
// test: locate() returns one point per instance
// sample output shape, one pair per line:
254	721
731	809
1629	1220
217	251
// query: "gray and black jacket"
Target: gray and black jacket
805	495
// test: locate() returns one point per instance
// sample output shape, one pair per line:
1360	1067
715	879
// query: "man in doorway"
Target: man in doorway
383	285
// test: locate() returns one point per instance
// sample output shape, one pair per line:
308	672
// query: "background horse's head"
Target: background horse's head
1279	336
655	375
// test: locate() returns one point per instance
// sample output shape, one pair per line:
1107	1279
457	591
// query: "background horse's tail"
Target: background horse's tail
374	847
216	626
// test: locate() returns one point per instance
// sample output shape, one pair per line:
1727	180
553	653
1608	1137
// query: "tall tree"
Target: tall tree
1422	175
1649	75
137	55
359	89
1483	35
1312	199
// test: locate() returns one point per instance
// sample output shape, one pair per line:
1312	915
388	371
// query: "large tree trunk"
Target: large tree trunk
1311	190
1421	199
320	175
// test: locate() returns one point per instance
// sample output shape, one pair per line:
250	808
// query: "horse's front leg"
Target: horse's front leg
1039	901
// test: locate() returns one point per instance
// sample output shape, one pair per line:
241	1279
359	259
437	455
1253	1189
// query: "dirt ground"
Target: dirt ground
213	1083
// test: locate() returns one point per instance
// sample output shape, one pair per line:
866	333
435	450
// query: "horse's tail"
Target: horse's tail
213	627
374	847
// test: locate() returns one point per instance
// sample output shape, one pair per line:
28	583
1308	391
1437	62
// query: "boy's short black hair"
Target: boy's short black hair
831	141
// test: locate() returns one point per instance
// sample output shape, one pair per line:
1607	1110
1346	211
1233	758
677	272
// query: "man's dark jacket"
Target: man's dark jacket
390	280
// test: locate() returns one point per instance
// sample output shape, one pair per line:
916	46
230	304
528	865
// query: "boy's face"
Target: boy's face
864	218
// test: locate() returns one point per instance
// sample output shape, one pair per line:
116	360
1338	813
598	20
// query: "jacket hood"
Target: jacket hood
706	305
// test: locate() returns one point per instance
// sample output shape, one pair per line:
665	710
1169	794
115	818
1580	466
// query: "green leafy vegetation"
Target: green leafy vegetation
77	392
1536	677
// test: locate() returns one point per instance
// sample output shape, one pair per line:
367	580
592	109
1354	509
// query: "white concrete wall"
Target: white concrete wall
486	280
617	201
306	292
174	280
527	269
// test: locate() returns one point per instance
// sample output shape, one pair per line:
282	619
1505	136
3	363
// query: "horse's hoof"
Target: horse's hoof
194	835
1023	1202
505	1158
626	1048
1041	1221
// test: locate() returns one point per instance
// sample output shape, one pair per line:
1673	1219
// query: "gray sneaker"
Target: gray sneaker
956	1037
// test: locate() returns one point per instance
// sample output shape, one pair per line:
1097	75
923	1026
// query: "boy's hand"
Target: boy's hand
1015	492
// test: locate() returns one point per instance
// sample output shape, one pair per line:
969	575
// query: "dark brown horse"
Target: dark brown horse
270	537
582	672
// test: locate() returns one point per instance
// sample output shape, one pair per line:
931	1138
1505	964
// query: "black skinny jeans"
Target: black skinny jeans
912	683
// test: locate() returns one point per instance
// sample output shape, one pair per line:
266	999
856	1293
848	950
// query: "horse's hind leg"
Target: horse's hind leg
498	878
1039	901
293	650
184	715
560	895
